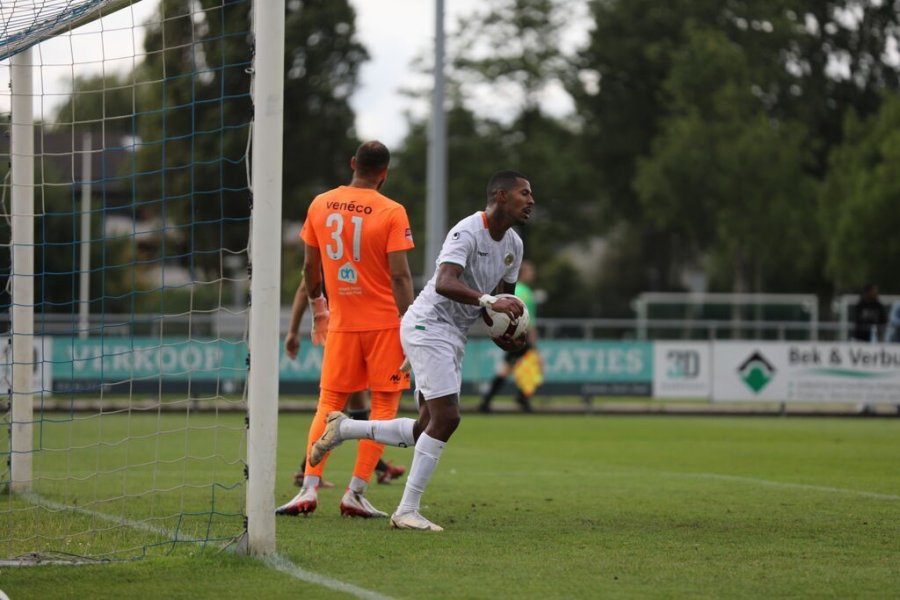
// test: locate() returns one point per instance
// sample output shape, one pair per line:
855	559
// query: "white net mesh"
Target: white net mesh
142	119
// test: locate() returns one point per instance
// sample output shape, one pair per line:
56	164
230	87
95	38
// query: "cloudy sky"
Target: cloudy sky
394	32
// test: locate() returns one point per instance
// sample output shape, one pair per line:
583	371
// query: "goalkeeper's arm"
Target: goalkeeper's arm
298	307
312	276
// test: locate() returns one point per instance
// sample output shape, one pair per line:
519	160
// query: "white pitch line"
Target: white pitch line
282	564
783	484
276	561
41	501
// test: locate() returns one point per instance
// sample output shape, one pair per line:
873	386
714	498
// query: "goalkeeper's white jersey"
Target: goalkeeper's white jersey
485	263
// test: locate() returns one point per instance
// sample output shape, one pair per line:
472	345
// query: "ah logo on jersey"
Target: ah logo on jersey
455	235
508	259
347	273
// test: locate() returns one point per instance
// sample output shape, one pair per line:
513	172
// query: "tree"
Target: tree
804	63
515	47
193	116
511	46
322	62
195	119
724	176
617	84
859	201
472	150
838	54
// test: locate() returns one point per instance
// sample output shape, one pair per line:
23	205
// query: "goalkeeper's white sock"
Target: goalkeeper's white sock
396	432
358	485
425	459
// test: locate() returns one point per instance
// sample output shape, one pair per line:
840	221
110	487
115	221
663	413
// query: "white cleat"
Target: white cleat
413	520
354	504
331	438
304	503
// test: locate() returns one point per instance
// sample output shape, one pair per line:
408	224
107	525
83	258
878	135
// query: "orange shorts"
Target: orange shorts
356	360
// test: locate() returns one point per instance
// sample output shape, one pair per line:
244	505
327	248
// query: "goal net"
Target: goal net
125	354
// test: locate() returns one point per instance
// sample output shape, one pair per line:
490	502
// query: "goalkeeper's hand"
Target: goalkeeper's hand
320	320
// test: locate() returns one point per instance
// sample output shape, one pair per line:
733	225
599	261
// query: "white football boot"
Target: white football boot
354	504
304	503
331	438
413	520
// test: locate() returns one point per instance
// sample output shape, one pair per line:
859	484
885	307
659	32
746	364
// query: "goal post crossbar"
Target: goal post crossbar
21	31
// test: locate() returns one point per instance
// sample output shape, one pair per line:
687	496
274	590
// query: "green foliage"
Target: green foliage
618	85
513	43
322	61
722	174
568	293
709	122
701	135
193	123
188	107
859	201
472	148
58	253
107	99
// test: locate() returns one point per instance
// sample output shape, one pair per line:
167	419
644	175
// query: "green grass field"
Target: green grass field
538	506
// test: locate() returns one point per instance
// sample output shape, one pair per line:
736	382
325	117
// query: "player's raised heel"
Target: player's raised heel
413	520
354	504
331	438
304	503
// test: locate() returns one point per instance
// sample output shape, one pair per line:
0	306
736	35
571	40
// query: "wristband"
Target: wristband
486	300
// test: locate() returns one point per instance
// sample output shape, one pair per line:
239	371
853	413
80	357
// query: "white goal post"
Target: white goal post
268	95
22	276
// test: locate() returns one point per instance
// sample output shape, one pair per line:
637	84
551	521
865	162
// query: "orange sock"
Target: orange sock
384	408
328	401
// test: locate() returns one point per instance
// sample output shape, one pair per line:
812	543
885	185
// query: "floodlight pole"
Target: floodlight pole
436	202
265	283
22	226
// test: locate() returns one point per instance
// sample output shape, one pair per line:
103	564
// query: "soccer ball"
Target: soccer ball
499	323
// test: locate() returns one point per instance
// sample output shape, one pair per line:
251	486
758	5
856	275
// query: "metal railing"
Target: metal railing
232	325
690	329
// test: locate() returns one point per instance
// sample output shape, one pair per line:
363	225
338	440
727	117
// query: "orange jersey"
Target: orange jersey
354	230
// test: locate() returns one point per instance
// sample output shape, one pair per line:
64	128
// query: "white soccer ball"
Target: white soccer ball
499	323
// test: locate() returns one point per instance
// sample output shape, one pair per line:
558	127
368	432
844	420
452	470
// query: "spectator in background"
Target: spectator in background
893	329
870	315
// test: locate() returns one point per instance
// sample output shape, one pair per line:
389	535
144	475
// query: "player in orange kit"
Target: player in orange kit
356	243
357	403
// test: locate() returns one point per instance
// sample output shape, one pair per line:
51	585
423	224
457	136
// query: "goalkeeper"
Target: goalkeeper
356	242
357	403
526	384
